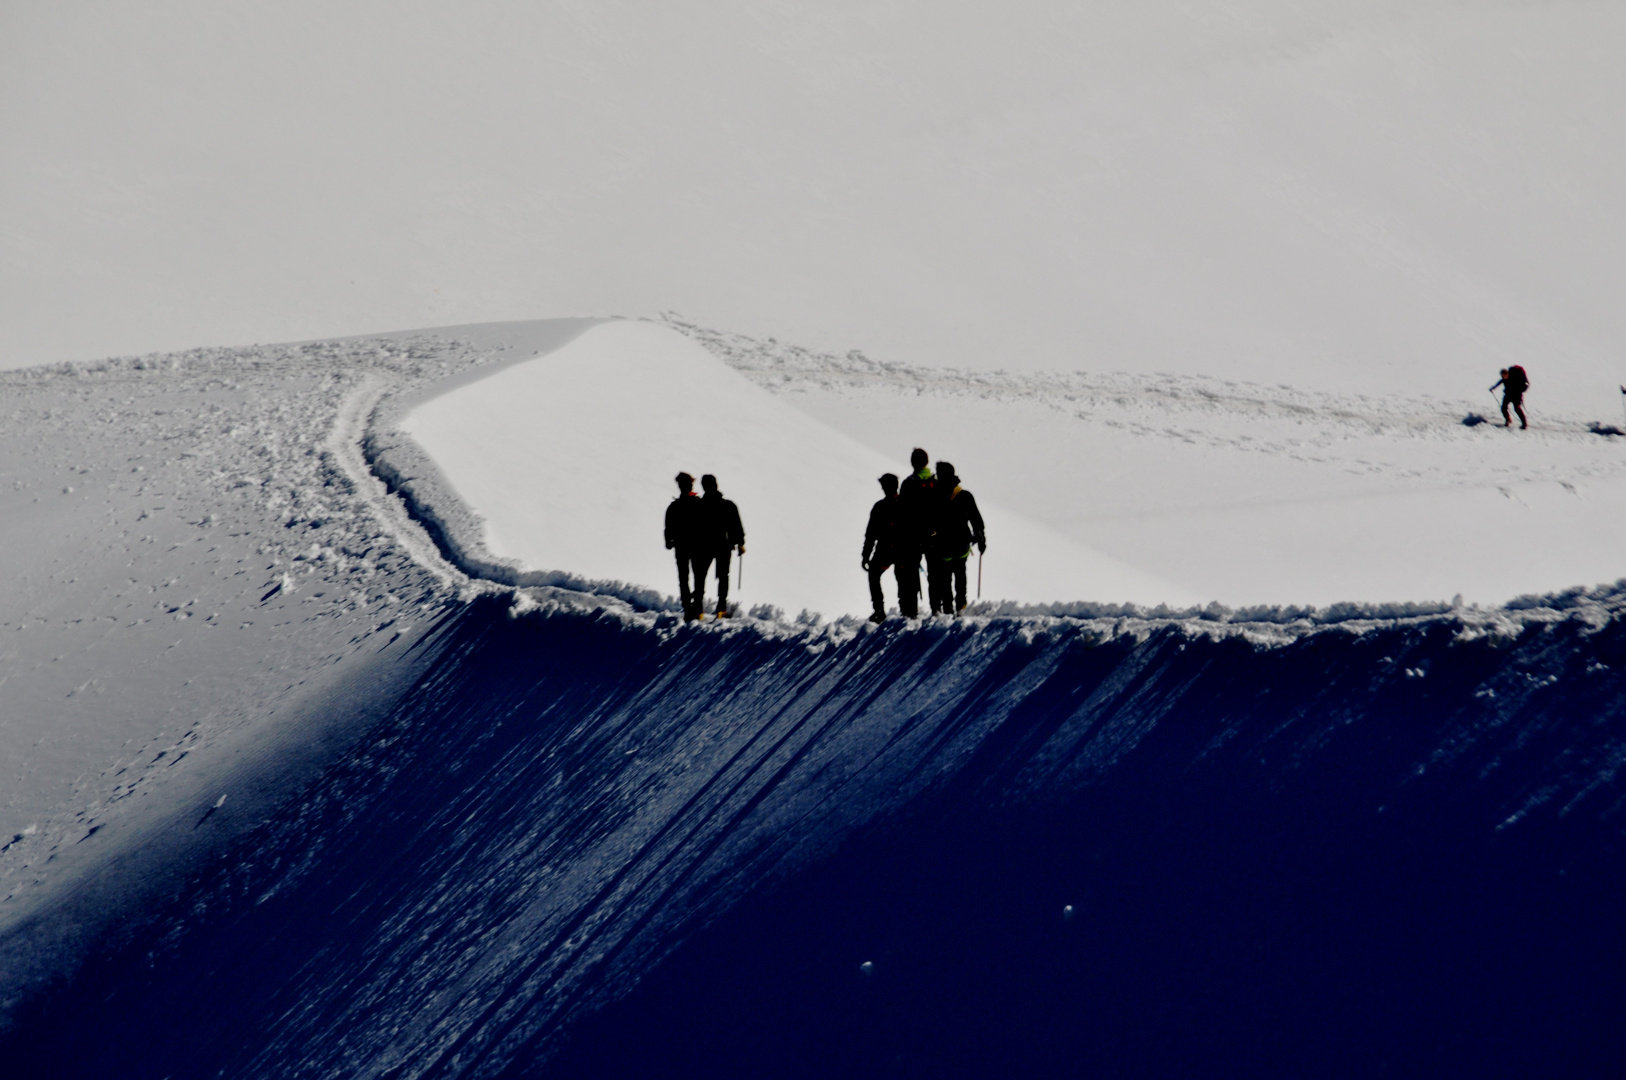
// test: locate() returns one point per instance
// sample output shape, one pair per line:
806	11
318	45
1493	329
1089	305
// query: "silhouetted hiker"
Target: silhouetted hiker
1514	382
683	537
881	547
720	533
959	525
915	517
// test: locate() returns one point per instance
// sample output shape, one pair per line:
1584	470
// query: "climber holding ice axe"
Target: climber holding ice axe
722	535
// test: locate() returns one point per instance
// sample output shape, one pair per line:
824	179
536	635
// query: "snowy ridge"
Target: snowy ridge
411	474
569	457
199	556
408	473
199	576
530	798
1298	423
1250	493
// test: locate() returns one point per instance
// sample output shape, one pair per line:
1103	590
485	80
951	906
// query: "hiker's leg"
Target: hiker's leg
877	598
702	567
686	595
908	575
725	564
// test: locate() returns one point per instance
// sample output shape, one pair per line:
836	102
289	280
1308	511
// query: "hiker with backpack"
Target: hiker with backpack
1514	382
959	525
881	544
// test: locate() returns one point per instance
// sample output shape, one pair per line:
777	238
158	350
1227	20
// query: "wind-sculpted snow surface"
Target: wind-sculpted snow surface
593	842
1240	491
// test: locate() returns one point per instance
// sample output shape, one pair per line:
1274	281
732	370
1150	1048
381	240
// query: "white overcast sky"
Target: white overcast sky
1328	192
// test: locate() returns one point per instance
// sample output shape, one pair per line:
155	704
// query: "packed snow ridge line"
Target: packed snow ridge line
410	474
1293	422
196	537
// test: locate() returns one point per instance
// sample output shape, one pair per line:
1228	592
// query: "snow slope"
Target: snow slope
350	810
1280	844
569	460
205	596
1212	490
1252	493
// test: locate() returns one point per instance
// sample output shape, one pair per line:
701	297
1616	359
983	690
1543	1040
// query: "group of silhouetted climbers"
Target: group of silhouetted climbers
928	517
703	530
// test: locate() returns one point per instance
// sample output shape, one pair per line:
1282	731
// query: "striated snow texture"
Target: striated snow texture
1259	827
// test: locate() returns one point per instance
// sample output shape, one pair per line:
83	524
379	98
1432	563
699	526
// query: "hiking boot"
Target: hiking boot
877	617
722	613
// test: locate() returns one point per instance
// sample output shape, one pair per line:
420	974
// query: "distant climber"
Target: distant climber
881	548
720	534
1514	382
684	539
916	514
958	526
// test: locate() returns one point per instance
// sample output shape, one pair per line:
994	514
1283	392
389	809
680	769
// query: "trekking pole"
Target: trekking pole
741	581
979	575
1623	399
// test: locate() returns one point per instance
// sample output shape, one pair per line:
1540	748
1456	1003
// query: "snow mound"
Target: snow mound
567	461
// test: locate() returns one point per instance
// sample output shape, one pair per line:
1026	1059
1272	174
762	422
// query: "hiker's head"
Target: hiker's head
685	482
918	459
889	482
945	473
708	483
1503	373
